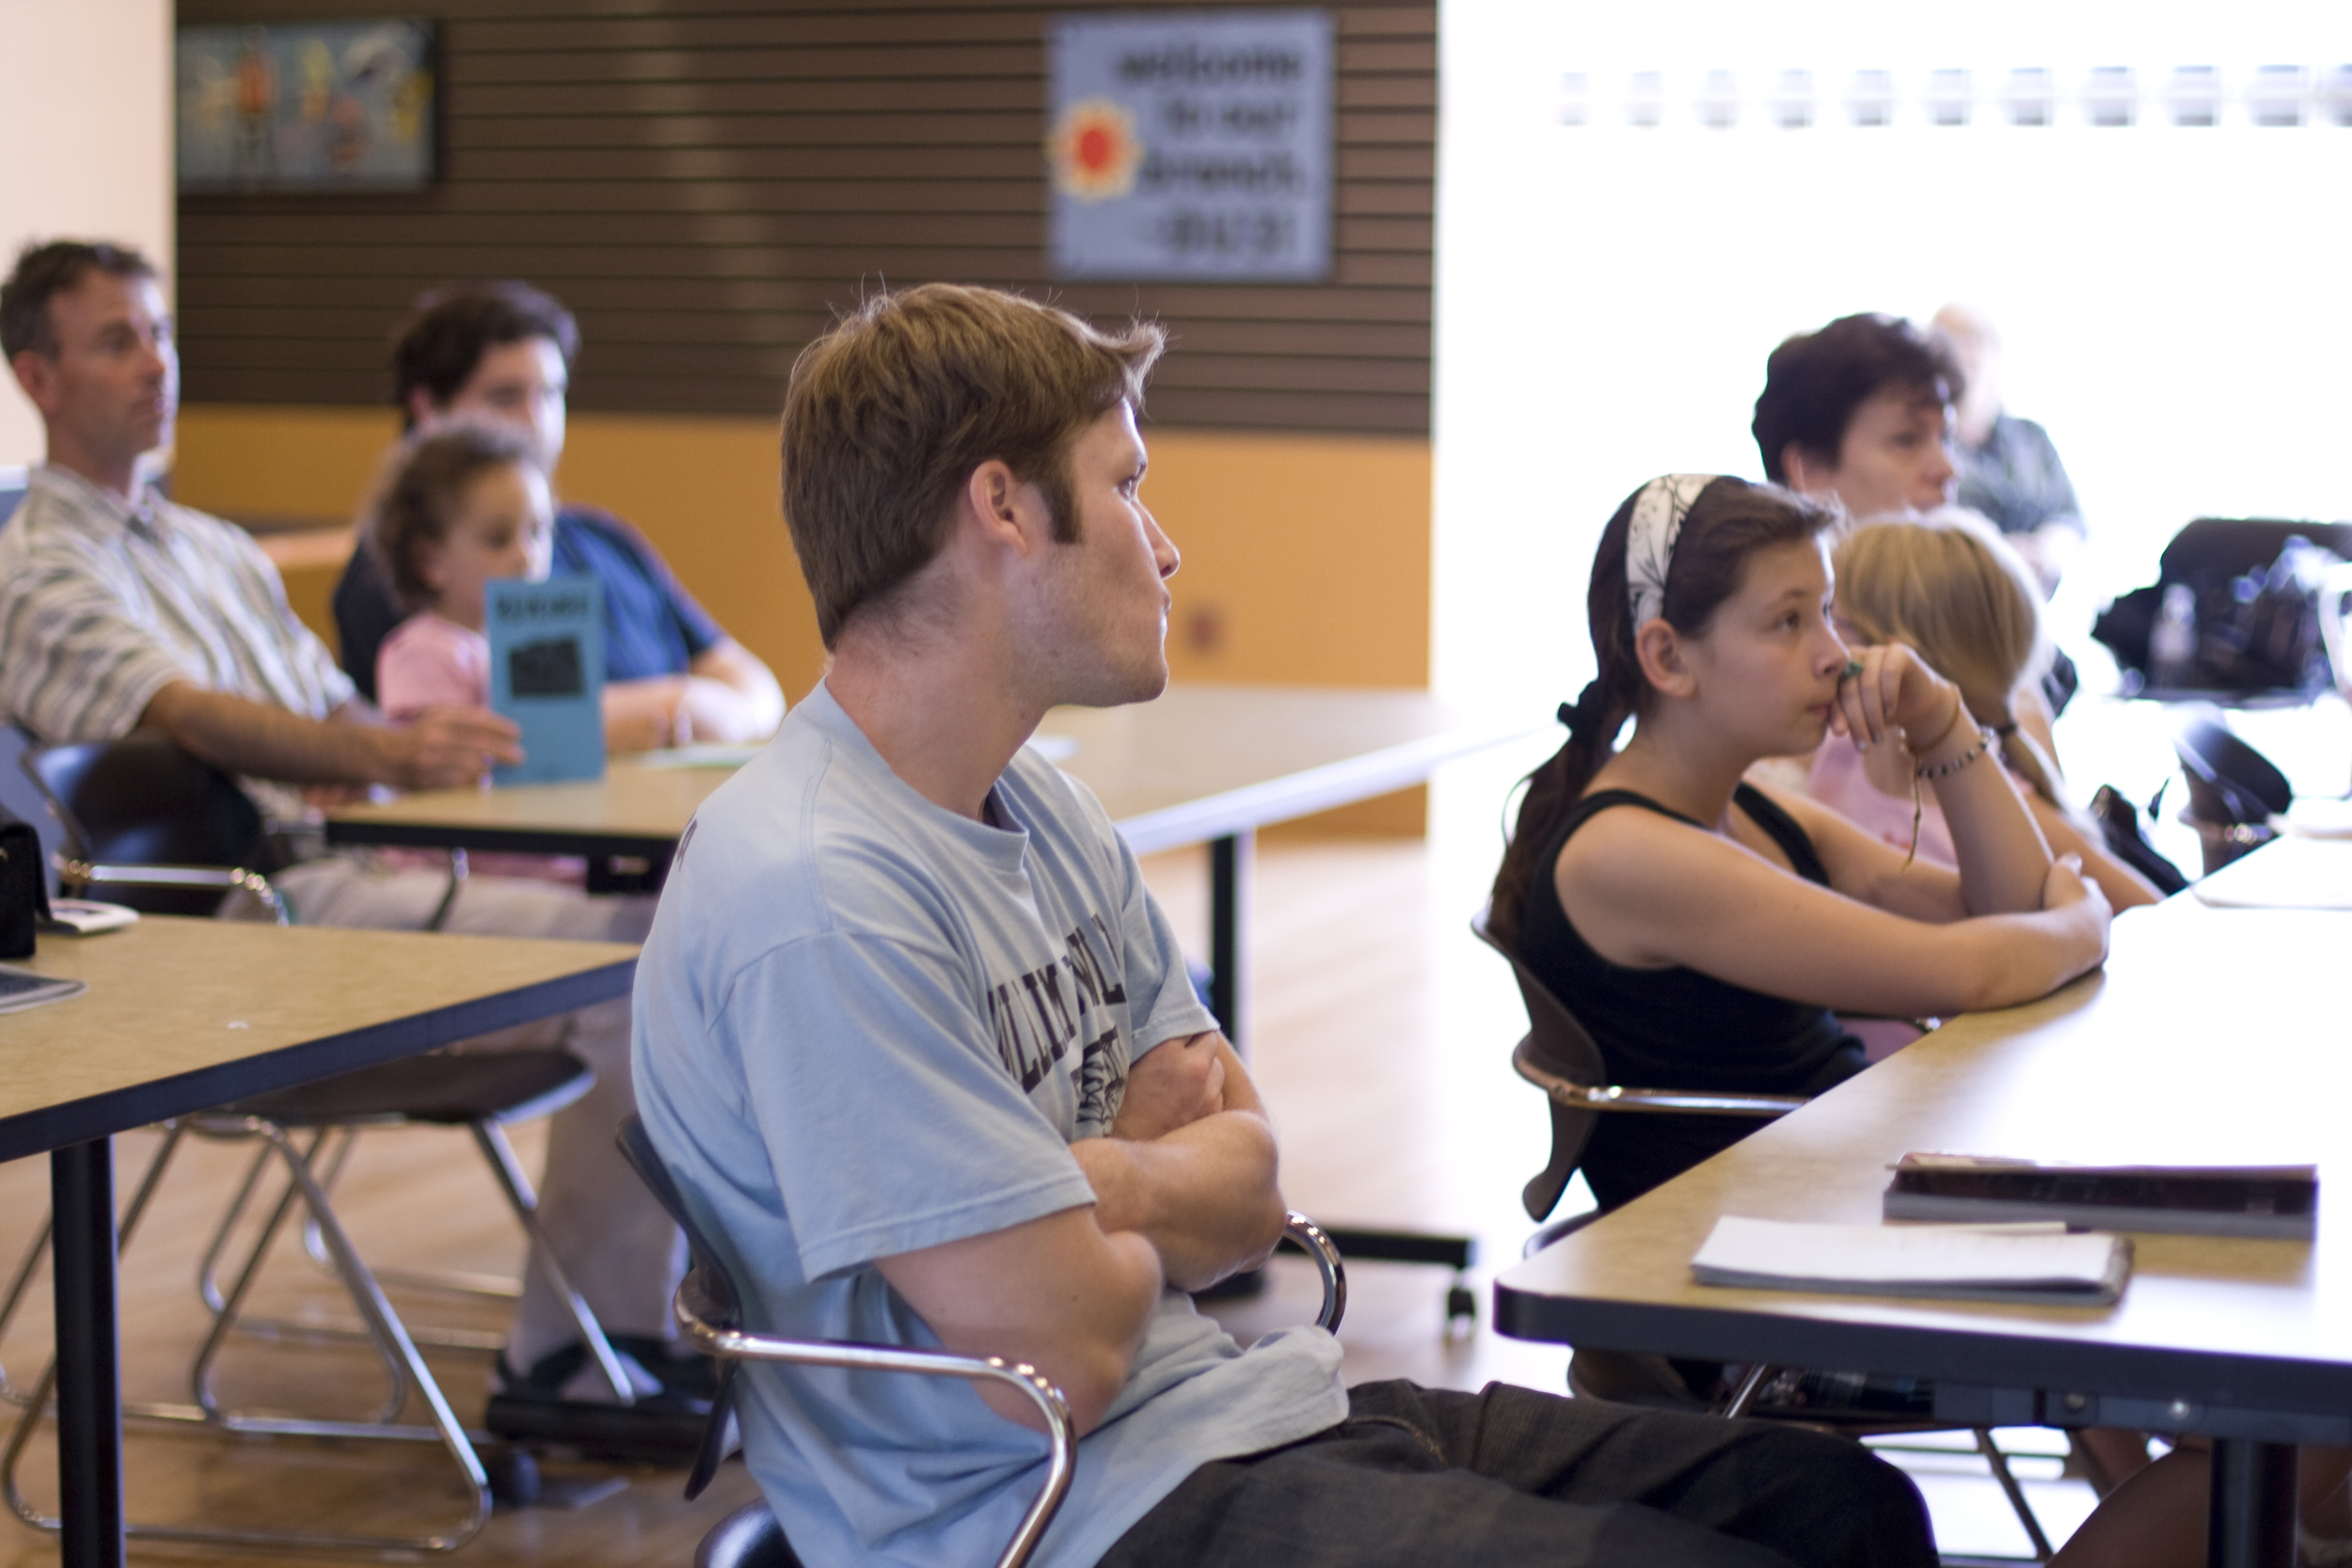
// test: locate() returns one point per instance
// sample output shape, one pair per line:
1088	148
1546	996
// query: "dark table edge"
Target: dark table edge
2217	1379
99	1115
361	833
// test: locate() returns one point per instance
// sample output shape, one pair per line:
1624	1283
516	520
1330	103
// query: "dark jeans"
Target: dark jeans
1417	1477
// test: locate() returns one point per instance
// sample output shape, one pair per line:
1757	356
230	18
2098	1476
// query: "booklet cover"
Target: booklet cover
546	674
1955	1262
2269	1202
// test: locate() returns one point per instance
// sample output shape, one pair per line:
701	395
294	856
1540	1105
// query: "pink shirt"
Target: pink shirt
1837	780
430	663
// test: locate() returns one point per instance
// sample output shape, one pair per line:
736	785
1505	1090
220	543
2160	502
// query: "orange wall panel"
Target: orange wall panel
1306	557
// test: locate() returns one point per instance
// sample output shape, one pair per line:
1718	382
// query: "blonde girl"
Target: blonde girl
1950	588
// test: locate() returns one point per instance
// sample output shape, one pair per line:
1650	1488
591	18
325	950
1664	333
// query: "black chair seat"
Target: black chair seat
747	1538
505	1085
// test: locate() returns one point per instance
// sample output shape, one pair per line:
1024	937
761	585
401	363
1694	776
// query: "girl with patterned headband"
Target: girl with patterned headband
1707	936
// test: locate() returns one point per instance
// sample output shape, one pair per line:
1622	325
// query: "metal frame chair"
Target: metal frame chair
1558	1055
709	1308
153	826
2234	792
143	816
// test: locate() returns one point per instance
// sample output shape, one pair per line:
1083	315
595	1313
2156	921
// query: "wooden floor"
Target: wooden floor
1382	1040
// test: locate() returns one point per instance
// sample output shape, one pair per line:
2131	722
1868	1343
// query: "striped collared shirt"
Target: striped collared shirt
104	604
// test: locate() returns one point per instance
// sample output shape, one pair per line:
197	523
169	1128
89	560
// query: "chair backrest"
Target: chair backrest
2119	824
25	800
2229	782
1556	1042
141	800
709	1289
1559	1041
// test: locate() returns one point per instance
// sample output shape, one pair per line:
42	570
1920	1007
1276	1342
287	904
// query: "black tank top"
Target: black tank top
1676	1029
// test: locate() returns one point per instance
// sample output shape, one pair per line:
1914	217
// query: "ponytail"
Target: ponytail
1593	721
2026	758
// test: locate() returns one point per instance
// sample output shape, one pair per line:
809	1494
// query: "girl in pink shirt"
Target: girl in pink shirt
464	504
1964	601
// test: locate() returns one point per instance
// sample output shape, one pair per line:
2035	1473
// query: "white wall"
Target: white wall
2176	301
85	143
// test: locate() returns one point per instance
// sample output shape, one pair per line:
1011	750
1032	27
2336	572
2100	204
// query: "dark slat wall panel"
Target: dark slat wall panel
705	180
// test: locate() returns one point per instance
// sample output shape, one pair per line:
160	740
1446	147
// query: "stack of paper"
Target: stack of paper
2024	1262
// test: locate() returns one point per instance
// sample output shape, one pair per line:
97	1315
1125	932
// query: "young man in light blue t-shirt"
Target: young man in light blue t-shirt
921	1051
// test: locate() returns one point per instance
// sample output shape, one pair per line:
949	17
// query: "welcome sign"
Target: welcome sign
1192	145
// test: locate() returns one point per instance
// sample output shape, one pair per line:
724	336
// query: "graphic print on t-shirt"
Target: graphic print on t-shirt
1039	1015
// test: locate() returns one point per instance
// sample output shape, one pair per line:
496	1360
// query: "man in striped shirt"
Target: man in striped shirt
120	610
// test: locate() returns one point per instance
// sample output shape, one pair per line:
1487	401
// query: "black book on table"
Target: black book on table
2270	1202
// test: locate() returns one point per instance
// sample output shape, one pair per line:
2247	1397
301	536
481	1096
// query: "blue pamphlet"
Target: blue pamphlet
546	674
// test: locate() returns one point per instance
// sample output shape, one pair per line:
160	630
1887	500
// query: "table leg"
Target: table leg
1229	875
2252	1522
89	1391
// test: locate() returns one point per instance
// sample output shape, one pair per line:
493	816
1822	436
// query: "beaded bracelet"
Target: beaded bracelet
1945	770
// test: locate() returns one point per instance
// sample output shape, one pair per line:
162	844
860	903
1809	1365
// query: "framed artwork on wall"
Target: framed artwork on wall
306	106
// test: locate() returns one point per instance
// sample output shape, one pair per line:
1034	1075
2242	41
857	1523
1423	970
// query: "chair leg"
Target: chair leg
347	1139
25	1272
1999	1461
300	1184
37	1402
500	1153
1749	1384
330	1172
30	1264
208	1267
385	1329
457	871
458	1281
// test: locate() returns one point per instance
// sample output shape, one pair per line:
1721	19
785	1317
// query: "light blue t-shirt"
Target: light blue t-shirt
866	1025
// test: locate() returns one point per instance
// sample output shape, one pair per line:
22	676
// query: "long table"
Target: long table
182	1015
2210	1037
1203	764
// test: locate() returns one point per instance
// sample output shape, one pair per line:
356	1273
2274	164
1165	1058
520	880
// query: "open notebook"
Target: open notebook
2021	1262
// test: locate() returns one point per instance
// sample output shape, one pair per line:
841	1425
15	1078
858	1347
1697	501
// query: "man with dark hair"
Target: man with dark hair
504	351
121	611
919	1046
1859	412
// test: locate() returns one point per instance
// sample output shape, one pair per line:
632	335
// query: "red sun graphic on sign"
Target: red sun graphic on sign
1094	151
